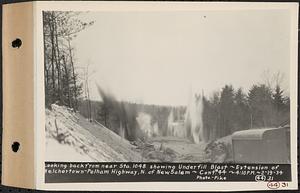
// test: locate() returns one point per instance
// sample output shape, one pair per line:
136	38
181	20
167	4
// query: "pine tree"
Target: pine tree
281	106
241	111
261	107
227	110
278	98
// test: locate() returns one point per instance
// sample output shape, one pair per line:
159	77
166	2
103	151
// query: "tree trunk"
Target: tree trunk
73	75
52	59
68	83
57	61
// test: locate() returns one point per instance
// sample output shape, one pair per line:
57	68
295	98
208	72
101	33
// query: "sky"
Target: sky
160	57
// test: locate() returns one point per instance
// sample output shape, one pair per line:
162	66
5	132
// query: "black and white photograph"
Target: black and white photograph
167	86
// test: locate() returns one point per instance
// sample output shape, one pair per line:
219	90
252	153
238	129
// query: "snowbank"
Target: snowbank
70	137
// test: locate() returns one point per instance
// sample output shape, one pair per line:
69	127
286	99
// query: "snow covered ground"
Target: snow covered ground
70	137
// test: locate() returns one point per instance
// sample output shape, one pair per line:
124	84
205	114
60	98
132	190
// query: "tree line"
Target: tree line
232	110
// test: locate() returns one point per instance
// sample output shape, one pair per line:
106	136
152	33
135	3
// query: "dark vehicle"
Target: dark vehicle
268	145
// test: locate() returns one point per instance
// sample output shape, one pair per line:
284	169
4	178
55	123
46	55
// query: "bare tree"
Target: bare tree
60	28
272	79
87	91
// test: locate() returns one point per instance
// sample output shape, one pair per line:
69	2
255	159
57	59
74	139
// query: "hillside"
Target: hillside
69	136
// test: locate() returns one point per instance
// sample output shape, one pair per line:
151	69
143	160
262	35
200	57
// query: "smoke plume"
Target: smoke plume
194	118
122	115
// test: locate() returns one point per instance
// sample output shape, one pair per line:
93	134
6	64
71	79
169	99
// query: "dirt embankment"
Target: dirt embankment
70	137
